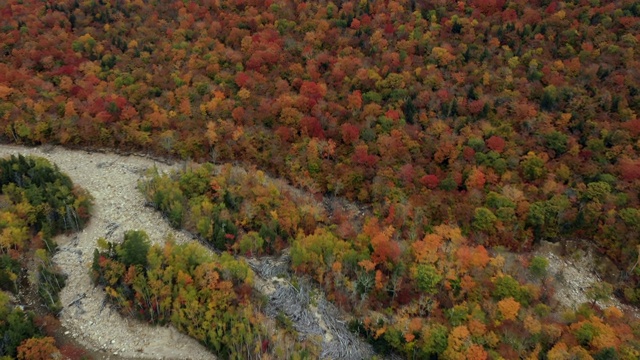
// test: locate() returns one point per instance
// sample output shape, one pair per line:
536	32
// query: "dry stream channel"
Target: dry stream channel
118	207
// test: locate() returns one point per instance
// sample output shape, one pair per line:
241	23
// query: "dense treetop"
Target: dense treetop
409	106
509	121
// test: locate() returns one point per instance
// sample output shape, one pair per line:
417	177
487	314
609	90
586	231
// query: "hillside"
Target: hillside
413	108
462	135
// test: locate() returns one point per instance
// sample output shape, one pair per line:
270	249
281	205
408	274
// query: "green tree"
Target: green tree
597	191
557	142
532	167
549	98
134	248
631	217
436	341
15	327
599	291
547	217
428	278
9	270
317	252
538	267
251	243
496	201
506	286
484	220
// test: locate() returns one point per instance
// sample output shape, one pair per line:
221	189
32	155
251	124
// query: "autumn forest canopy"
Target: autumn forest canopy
465	130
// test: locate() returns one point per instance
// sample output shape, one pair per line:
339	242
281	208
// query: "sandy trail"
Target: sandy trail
118	207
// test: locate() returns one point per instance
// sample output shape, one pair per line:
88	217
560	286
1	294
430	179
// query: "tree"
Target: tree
476	179
538	267
557	142
427	278
597	191
16	327
458	340
509	308
426	250
629	169
350	133
385	250
484	220
549	98
317	252
134	248
532	167
198	292
430	181
435	339
506	286
496	143
251	243
600	291
547	217
38	349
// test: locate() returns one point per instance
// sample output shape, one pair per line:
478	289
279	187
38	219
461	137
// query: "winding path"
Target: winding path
118	206
111	179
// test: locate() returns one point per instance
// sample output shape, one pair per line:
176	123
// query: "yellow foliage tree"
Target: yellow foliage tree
426	250
459	340
509	308
532	325
558	352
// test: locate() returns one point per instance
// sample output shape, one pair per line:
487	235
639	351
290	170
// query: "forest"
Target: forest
37	203
469	132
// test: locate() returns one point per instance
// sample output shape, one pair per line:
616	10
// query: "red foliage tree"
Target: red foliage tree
312	127
430	181
629	169
350	133
496	143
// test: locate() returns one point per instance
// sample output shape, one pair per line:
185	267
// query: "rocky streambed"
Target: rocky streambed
118	207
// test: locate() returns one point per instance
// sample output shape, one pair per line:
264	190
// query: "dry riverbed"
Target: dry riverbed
111	179
118	206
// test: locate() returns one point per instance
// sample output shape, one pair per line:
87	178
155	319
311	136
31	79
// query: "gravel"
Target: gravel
574	276
118	207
